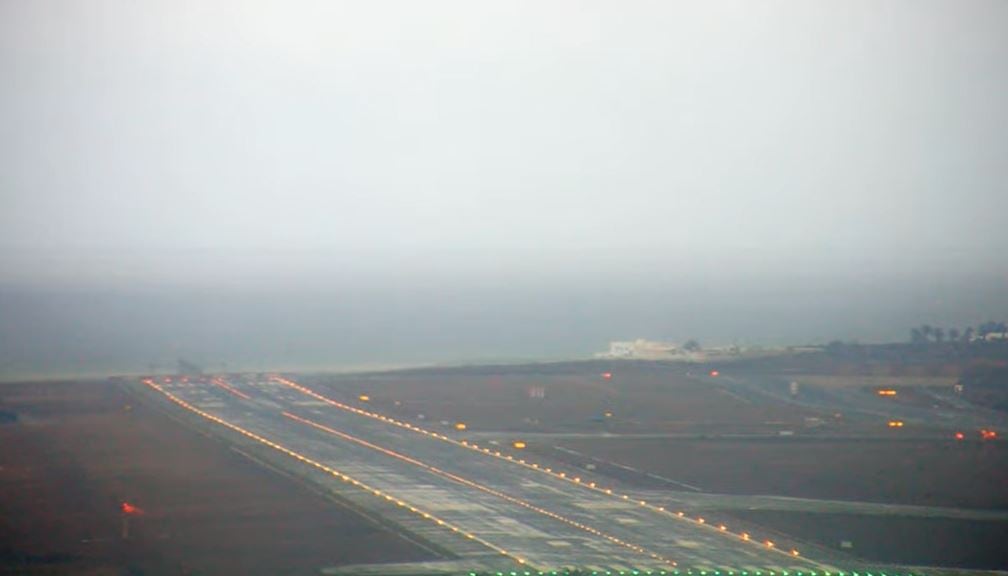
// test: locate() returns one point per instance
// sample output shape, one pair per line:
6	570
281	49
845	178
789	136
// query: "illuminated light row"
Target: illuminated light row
329	470
694	572
223	384
766	545
478	486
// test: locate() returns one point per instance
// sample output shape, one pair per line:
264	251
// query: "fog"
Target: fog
324	185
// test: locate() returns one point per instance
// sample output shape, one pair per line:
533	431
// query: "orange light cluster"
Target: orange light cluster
895	423
887	392
486	451
986	434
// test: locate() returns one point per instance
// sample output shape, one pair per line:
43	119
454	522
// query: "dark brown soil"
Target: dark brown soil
76	451
682	399
933	473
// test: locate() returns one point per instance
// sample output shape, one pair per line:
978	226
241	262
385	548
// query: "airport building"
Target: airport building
641	348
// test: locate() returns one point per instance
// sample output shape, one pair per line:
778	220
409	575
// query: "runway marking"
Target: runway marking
331	471
478	486
679	515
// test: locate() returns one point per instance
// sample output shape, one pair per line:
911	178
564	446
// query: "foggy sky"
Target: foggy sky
406	181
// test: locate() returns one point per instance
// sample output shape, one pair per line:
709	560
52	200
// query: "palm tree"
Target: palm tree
953	334
939	335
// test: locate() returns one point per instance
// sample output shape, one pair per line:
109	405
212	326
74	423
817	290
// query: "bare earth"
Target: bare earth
78	450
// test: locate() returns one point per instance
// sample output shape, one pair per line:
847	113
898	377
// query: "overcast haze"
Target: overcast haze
344	183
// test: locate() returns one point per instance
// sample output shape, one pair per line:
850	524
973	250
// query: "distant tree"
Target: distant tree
967	335
990	327
917	336
691	345
954	335
927	330
939	335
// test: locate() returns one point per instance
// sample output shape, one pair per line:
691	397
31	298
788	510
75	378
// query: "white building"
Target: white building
640	348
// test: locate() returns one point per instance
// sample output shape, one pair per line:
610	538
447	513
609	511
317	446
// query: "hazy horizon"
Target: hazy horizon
337	184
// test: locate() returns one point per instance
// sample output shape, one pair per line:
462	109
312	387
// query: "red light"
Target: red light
959	436
128	508
607	375
714	373
988	434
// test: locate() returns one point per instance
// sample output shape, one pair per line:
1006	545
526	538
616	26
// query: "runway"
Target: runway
479	503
